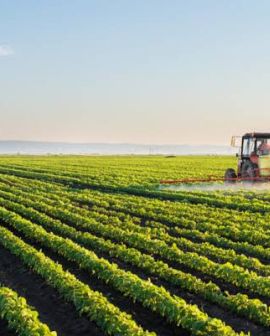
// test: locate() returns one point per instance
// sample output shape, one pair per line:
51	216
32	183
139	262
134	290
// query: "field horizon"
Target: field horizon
43	147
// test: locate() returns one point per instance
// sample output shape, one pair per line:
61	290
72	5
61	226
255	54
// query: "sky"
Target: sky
144	71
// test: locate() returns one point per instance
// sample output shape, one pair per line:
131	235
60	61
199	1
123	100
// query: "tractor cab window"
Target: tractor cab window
248	146
263	147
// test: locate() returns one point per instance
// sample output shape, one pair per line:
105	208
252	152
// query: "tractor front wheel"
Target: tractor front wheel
230	176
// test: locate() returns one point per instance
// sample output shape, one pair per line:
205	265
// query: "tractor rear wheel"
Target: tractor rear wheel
249	172
229	176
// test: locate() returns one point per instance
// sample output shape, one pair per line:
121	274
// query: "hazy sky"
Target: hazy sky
144	71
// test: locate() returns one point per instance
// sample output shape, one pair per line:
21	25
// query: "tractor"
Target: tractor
253	159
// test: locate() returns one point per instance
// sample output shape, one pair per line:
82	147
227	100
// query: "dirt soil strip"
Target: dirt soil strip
54	311
4	331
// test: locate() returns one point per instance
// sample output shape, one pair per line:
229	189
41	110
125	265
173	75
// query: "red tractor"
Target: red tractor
253	159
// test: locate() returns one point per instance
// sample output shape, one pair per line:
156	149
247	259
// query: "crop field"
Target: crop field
93	246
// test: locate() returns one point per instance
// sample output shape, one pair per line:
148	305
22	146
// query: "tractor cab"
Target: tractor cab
253	158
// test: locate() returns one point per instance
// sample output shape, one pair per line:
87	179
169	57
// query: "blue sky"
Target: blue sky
160	72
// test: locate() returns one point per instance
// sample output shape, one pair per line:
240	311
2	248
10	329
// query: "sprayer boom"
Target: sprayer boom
193	180
216	179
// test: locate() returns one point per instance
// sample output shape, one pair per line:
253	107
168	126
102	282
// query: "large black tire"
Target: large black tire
249	172
229	175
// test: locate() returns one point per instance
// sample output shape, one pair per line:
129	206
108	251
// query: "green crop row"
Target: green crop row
185	218
174	309
213	238
203	249
20	317
205	212
241	304
234	227
115	171
228	272
88	302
